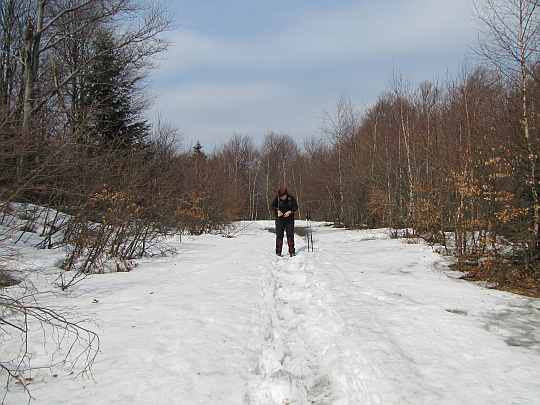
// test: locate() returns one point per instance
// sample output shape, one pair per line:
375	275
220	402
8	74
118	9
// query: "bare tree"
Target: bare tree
279	152
318	192
340	126
243	163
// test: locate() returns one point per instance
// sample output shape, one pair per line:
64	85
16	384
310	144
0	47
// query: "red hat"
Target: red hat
282	191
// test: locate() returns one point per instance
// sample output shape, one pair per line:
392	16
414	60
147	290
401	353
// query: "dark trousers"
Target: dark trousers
283	224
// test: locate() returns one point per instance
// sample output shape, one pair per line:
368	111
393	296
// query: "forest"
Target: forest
453	160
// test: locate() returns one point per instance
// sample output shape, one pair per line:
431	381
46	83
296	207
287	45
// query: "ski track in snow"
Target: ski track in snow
311	354
364	319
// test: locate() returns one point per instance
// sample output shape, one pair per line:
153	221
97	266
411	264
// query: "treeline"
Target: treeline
445	159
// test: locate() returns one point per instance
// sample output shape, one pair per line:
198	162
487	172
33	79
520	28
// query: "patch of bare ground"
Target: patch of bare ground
511	277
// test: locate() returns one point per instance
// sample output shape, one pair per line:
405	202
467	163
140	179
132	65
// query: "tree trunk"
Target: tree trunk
32	41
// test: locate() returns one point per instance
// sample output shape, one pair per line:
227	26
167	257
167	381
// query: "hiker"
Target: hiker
284	206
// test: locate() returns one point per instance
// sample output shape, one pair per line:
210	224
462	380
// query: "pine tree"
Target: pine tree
111	90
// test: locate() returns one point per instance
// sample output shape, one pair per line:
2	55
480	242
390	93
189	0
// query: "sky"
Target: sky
248	67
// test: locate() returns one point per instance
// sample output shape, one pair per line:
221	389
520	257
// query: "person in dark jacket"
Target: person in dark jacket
284	206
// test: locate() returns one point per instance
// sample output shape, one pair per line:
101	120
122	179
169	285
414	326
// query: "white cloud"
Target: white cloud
374	29
362	30
214	96
210	109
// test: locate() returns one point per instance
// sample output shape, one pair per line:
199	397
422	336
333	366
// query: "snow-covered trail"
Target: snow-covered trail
364	319
370	320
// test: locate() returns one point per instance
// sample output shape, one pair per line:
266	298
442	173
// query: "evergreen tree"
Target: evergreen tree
116	122
198	161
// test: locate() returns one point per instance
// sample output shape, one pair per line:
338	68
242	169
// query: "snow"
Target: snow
364	319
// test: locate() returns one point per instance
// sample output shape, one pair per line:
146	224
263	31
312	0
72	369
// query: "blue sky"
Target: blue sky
253	66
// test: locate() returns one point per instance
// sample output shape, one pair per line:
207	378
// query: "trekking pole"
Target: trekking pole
309	231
